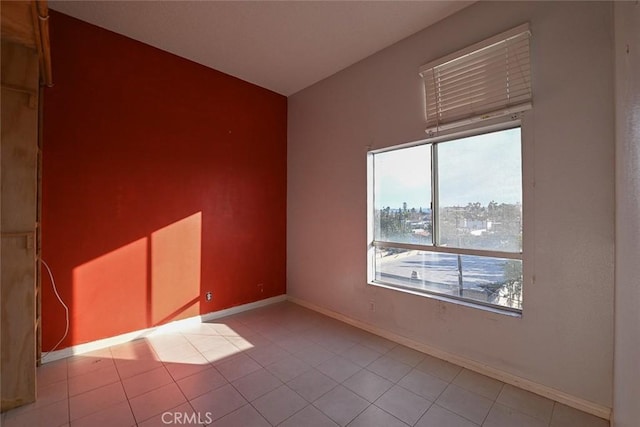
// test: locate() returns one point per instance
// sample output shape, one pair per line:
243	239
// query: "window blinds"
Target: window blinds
488	79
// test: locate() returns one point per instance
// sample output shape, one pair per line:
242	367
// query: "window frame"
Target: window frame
514	121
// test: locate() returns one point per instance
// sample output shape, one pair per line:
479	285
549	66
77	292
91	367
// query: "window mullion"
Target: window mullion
435	231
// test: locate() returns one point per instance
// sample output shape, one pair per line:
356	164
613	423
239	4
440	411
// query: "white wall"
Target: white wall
626	392
564	339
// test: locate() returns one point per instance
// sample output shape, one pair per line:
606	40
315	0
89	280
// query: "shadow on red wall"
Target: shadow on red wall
162	180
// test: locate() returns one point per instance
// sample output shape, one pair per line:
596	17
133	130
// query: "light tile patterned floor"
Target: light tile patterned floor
281	365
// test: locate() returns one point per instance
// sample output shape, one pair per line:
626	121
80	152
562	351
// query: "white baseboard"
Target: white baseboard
542	390
173	326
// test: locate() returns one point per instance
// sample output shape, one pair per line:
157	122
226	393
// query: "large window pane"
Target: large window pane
402	195
419	270
496	281
480	192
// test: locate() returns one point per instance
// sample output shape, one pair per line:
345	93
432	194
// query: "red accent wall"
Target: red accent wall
162	180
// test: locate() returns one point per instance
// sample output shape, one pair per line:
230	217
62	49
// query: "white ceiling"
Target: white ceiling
283	46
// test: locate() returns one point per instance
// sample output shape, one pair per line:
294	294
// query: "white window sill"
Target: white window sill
445	298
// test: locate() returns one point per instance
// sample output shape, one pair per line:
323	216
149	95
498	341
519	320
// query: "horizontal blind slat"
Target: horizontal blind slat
522	39
463	75
491	78
470	111
487	57
487	105
483	91
506	63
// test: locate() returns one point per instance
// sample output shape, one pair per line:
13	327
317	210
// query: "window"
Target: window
445	214
446	218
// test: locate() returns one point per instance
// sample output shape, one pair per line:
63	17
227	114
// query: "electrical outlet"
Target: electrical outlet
208	296
372	305
261	287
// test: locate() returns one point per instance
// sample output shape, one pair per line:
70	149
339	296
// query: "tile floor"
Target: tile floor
281	365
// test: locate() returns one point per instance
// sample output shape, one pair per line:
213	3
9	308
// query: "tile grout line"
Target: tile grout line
122	385
402	421
362	368
123	389
492	404
180	389
410	391
302	397
488	412
228	382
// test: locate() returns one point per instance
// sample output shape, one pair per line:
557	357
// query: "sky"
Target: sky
480	168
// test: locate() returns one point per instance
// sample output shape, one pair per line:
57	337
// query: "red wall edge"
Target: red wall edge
162	180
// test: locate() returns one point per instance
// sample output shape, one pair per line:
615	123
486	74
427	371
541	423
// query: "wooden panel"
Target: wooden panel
27	23
18	219
18	70
17	23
